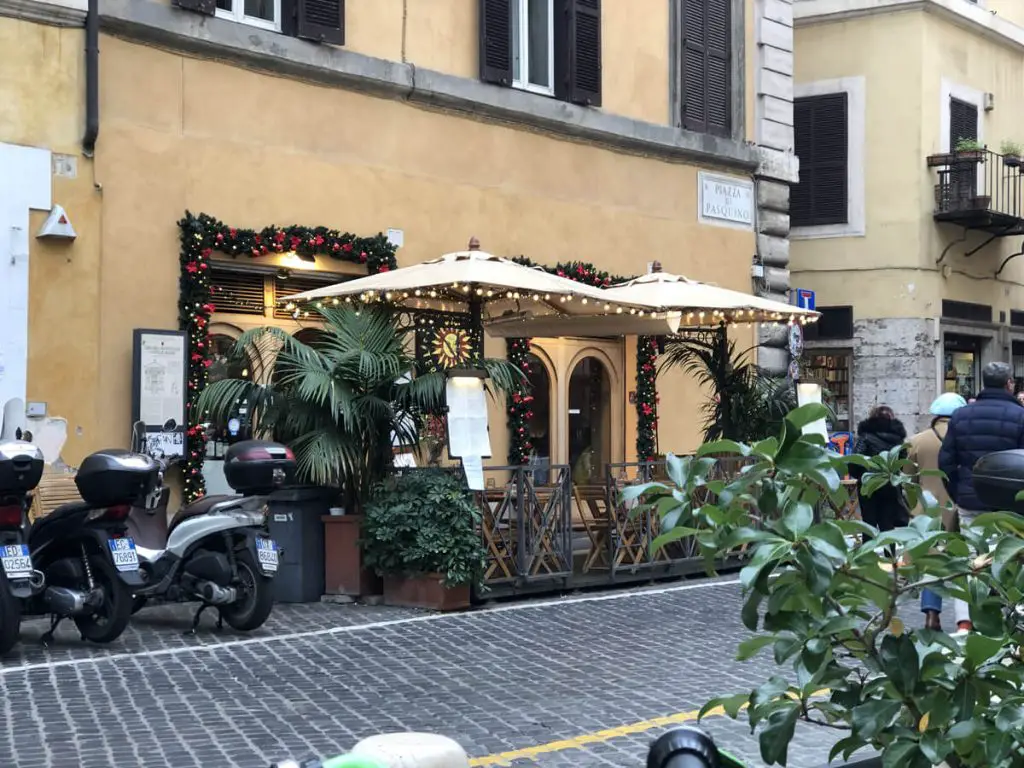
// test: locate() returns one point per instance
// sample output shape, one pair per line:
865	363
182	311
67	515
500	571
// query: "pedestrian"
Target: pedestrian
884	509
1020	397
924	452
995	422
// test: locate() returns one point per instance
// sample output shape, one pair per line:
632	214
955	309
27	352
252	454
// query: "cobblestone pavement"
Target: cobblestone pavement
320	677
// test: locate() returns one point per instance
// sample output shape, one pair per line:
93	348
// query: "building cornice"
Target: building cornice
170	27
59	13
969	16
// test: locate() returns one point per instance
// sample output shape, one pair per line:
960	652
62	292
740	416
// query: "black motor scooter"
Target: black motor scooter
21	467
89	562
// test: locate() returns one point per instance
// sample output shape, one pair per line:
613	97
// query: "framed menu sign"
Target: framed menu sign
159	386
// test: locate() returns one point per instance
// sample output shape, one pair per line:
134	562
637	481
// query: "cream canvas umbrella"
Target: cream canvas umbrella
468	281
659	304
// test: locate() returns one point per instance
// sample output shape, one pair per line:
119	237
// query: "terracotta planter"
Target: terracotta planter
424	591
344	573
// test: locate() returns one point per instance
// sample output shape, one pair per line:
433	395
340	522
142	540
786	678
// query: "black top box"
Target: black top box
998	478
258	467
21	467
115	476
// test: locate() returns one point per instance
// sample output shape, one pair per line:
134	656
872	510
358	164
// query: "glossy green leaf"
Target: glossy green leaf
751	646
777	733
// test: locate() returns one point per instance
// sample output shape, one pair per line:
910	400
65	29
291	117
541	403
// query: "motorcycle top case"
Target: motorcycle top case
998	478
21	467
115	476
257	467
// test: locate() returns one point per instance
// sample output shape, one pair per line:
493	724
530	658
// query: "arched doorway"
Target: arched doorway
589	420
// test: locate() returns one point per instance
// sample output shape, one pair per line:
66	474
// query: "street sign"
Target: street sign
804	298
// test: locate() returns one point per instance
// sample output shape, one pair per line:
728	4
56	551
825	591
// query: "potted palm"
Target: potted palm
343	401
422	537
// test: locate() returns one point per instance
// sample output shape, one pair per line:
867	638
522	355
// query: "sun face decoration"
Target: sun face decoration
451	347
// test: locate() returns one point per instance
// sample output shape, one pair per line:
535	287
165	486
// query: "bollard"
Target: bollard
413	750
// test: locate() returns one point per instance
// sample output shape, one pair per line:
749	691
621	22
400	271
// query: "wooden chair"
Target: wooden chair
592	518
52	492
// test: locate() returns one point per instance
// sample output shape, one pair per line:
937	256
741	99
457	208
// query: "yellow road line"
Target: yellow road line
597	737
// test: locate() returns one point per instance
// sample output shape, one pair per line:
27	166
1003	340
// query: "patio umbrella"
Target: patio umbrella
669	302
466	281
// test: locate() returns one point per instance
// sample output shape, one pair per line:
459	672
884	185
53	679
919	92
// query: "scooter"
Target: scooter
217	550
89	564
21	468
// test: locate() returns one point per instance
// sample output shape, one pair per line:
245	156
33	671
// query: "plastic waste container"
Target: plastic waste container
294	521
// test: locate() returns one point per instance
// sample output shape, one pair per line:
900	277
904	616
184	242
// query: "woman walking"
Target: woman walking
884	509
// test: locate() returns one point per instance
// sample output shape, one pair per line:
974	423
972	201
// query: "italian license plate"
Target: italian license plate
266	554
16	560
124	554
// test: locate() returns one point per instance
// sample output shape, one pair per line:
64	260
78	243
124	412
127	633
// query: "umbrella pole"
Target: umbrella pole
476	324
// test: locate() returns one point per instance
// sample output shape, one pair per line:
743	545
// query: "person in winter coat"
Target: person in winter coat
995	422
924	452
885	509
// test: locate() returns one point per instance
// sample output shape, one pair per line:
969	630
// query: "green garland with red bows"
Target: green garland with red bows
519	404
202	235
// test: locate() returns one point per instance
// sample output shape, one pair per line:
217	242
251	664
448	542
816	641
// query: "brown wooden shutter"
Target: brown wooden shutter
821	142
207	7
693	66
963	122
321	20
585	52
239	293
719	92
496	41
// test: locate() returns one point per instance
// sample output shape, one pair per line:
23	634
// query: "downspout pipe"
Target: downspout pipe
92	78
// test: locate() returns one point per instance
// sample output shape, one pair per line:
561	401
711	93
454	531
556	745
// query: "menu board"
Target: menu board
467	418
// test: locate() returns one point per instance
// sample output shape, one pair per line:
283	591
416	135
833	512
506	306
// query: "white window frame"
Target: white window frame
950	90
856	108
237	13
523	82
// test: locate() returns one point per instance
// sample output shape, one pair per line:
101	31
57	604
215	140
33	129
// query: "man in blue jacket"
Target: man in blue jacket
994	422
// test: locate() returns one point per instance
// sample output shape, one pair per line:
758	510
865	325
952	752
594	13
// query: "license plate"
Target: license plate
16	560
266	554
124	554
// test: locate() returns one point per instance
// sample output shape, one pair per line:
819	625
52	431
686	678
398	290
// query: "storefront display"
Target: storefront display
960	365
833	370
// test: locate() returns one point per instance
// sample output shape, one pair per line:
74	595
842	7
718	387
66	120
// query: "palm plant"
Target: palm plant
746	403
342	401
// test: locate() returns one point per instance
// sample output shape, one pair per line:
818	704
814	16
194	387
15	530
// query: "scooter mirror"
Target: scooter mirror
685	747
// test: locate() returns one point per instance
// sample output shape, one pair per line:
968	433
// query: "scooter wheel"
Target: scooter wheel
253	607
107	624
10	617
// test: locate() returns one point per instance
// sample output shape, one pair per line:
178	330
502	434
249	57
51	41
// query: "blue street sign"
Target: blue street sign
804	298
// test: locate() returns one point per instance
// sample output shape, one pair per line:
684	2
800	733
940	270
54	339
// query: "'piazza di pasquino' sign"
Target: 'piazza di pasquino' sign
726	200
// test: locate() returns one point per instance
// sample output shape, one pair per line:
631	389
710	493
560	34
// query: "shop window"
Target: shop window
228	363
589	421
834	323
540	425
527	44
833	370
961	365
966	310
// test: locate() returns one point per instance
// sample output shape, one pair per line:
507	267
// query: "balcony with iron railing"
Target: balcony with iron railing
981	190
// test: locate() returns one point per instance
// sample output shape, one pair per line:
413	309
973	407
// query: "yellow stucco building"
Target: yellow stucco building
907	246
561	130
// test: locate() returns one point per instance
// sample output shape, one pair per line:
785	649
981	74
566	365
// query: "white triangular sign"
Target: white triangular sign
57	225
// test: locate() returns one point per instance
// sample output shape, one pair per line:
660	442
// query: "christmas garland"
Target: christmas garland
202	235
519	404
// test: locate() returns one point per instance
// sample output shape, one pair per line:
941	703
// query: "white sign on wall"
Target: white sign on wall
726	200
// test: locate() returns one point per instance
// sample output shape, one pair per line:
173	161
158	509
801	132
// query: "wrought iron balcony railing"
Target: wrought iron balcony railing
980	189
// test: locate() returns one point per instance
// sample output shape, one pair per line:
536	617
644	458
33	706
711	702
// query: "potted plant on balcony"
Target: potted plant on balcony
422	536
969	150
1012	153
826	597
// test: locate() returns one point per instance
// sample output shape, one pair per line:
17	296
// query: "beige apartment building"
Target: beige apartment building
911	246
560	130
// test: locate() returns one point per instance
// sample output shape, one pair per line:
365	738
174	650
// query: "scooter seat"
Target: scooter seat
65	518
197	508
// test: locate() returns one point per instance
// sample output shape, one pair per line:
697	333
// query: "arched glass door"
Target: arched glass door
227	364
589	415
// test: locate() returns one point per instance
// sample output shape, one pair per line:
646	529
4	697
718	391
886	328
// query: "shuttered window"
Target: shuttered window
293	285
239	293
705	78
322	21
821	128
530	43
963	122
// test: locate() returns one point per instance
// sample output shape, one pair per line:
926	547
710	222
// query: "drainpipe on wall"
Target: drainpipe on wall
92	78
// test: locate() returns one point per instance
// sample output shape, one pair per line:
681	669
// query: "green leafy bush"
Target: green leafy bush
826	595
421	522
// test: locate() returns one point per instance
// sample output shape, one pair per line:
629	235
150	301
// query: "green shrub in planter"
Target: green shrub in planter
424	522
827	599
